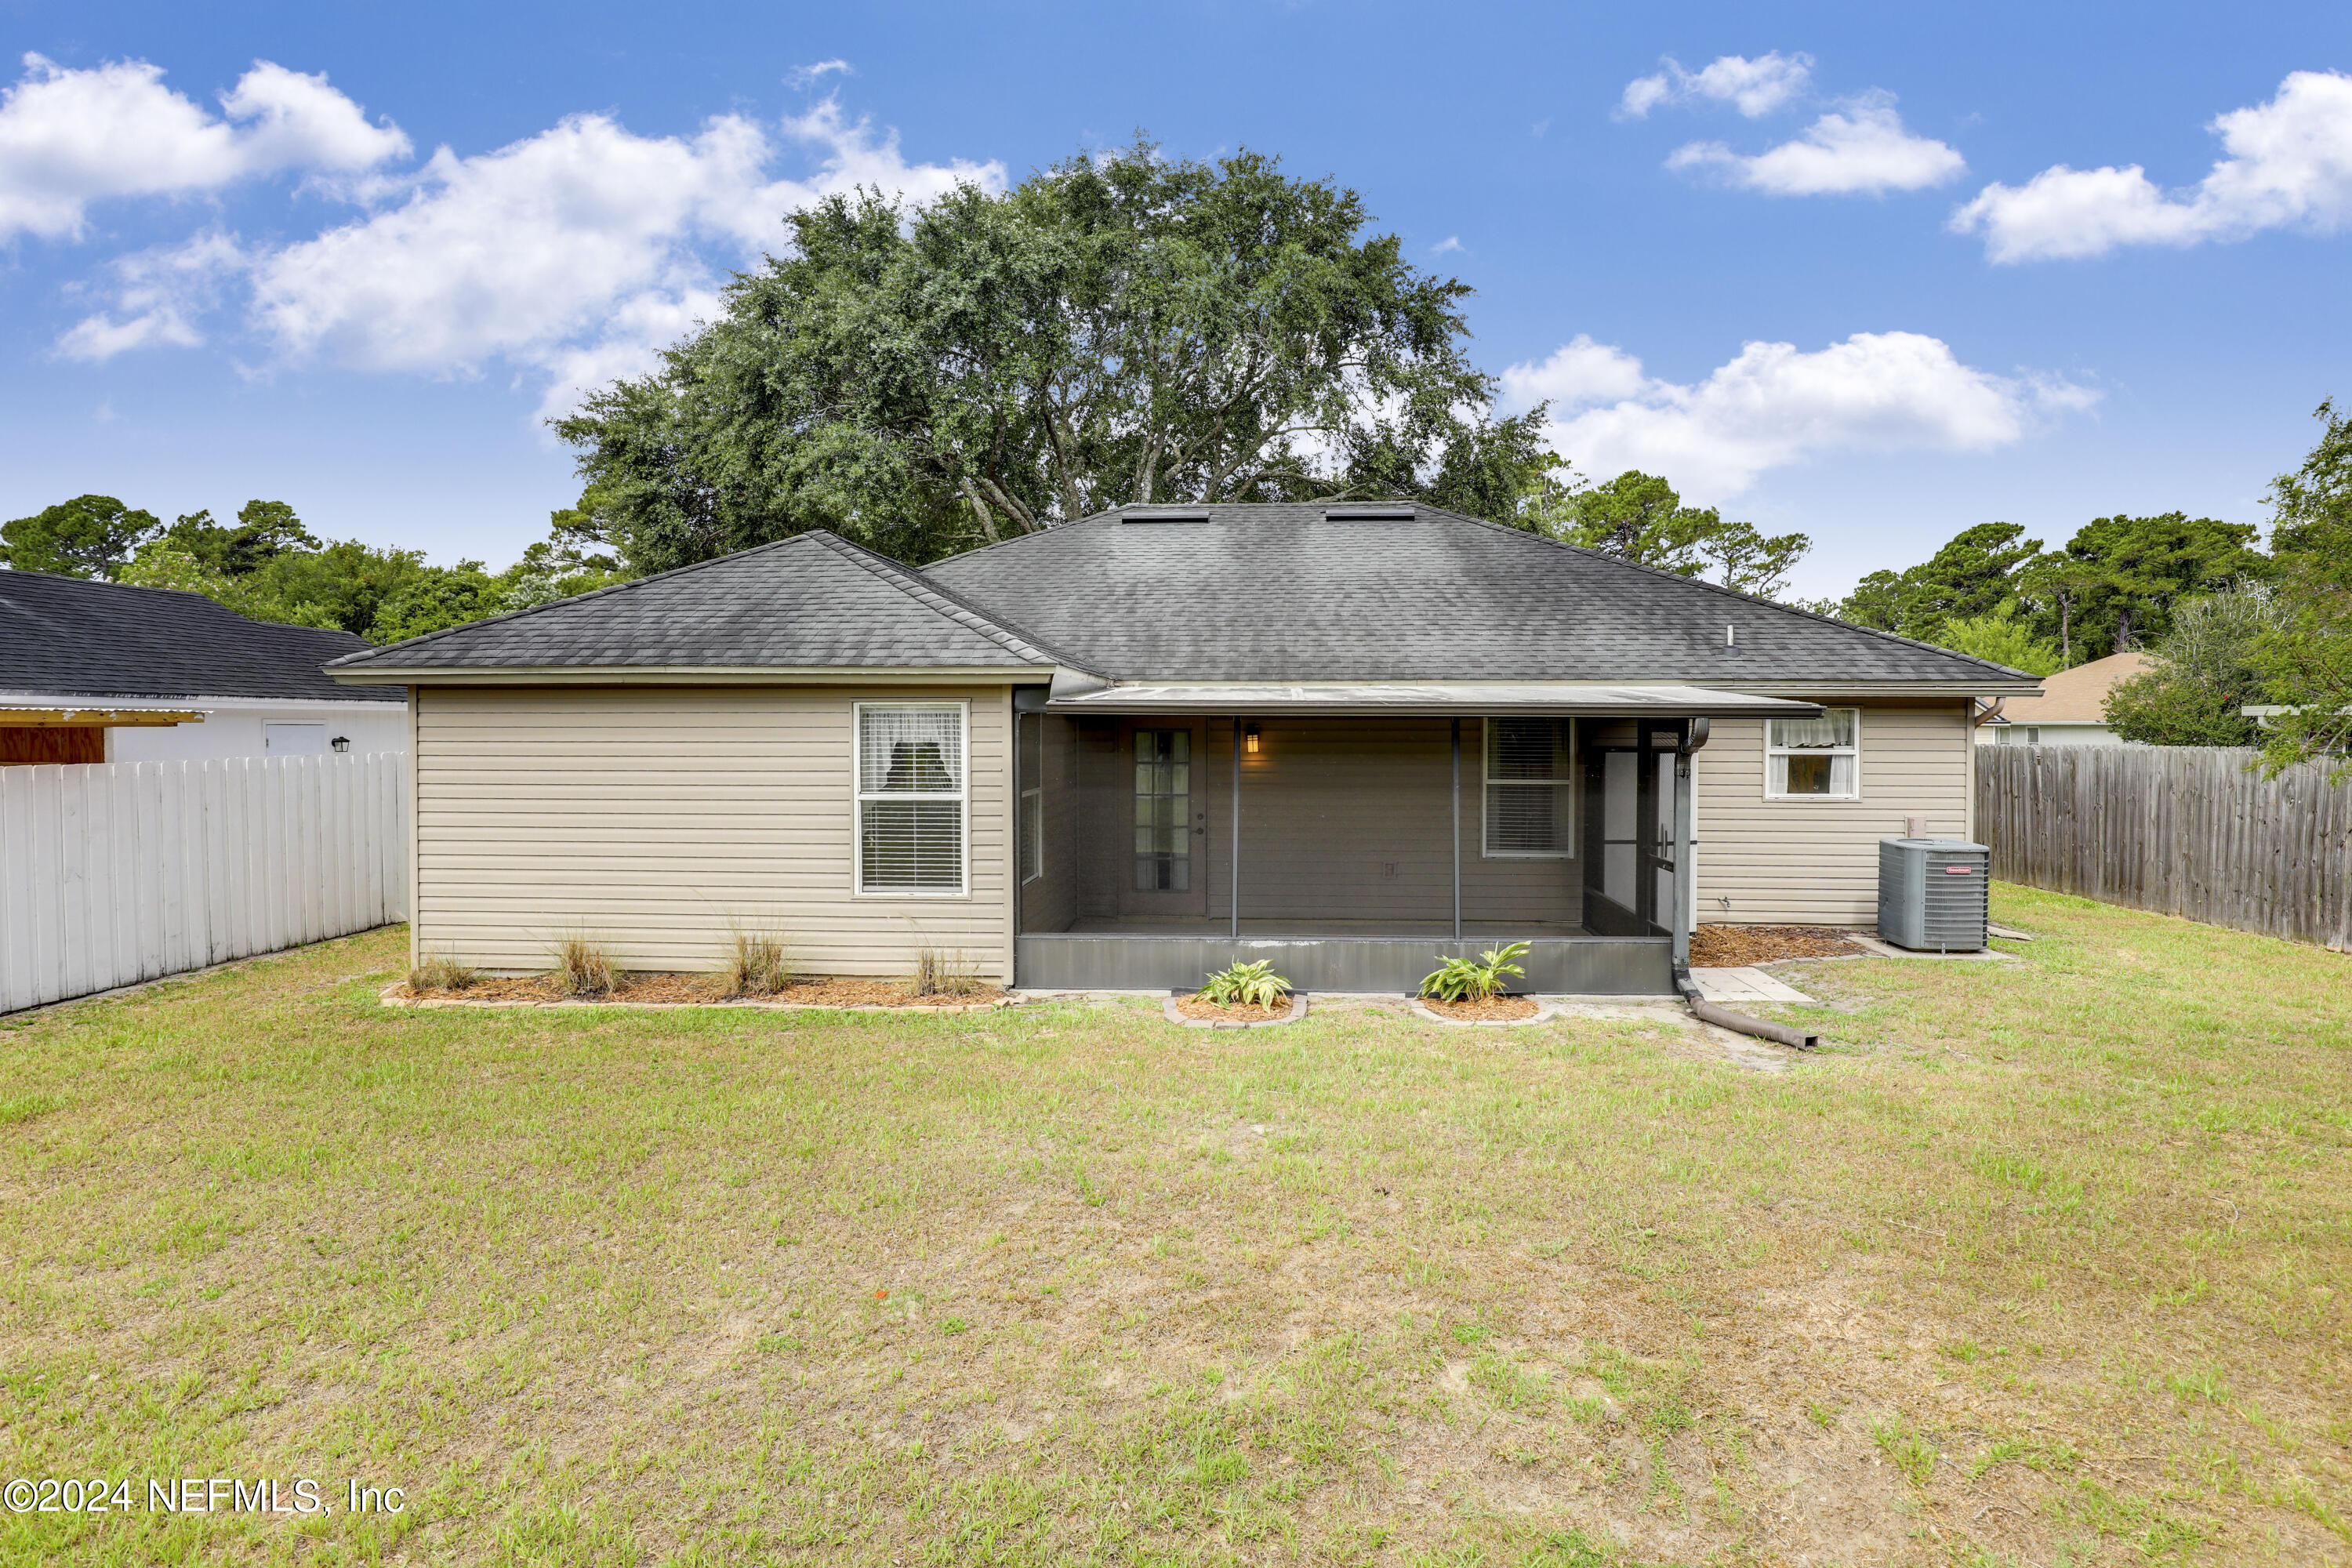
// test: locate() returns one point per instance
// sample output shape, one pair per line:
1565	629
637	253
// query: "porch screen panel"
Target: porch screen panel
1029	763
1163	811
1621	813
1665	849
1530	798
910	798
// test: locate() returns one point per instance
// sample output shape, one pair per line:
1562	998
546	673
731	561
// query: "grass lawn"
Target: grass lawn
2041	1263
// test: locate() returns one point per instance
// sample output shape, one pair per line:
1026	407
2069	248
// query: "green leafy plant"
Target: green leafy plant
1468	980
1246	985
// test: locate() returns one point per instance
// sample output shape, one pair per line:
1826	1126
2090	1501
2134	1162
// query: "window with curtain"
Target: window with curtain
1530	788
910	798
1032	766
1816	759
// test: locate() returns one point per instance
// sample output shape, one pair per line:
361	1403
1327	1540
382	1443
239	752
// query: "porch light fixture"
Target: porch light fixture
1249	739
342	742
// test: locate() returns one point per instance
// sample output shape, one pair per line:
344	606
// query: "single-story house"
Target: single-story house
2072	709
1129	748
101	672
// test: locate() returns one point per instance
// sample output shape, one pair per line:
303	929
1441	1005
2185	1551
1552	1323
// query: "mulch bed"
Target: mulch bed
1492	1010
1193	1007
1737	947
815	992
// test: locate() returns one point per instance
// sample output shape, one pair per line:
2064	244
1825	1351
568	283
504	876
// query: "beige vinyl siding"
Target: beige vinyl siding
648	818
1815	862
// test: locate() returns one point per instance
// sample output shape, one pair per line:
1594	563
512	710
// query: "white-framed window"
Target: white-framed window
1031	762
1814	759
913	795
1530	789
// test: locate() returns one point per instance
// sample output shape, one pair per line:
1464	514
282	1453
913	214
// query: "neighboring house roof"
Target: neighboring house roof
71	636
1271	592
812	601
2077	696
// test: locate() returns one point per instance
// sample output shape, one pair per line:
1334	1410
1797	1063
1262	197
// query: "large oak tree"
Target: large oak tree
1119	329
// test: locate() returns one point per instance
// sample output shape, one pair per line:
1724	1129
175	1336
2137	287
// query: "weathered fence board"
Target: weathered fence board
2184	830
114	873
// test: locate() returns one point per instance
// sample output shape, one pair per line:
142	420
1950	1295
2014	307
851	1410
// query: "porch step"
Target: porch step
1744	986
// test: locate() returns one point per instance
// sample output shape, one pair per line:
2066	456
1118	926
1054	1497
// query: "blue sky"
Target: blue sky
1872	272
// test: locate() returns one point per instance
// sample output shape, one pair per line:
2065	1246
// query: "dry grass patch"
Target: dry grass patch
940	973
757	964
442	973
583	967
2043	1263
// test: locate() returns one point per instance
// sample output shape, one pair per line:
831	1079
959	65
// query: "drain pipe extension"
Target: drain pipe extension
1707	1012
1700	1008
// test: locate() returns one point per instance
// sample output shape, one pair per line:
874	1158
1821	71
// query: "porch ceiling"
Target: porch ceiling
1442	699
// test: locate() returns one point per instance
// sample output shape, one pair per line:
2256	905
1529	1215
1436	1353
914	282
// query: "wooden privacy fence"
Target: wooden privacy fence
117	872
2185	830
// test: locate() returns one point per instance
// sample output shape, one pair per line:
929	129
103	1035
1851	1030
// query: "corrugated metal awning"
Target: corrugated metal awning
1442	699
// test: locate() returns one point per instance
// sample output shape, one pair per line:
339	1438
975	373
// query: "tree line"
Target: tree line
269	567
1126	327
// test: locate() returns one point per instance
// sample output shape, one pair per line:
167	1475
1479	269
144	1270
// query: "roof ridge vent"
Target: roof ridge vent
1369	514
1162	514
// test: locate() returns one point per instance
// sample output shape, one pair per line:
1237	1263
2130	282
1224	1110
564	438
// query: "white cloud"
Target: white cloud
1579	374
628	343
1451	242
2290	166
160	294
809	76
1773	405
1864	150
577	253
69	138
1755	88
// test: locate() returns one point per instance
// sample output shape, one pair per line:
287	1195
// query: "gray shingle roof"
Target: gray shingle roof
813	600
1277	592
71	635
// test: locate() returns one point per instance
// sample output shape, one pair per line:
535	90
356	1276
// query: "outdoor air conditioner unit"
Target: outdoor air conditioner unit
1932	893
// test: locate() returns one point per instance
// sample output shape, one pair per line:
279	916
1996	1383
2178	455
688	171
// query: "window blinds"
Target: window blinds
910	798
1529	791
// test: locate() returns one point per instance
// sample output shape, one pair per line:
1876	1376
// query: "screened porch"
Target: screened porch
1352	847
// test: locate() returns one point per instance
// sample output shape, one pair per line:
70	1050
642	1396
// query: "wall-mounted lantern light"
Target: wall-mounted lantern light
1249	739
342	742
